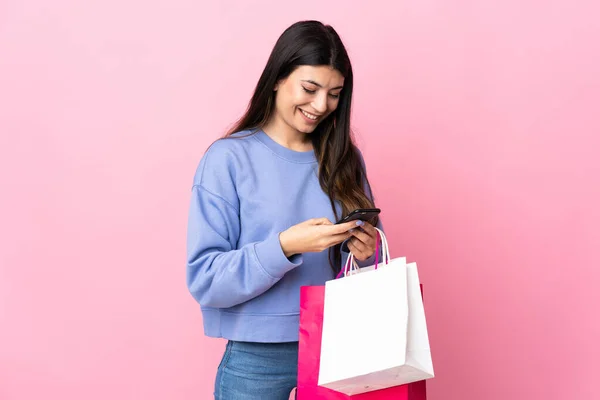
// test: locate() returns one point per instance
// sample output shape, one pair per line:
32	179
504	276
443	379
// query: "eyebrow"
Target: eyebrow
319	85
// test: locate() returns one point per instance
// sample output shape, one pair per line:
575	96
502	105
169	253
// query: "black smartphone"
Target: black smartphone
364	214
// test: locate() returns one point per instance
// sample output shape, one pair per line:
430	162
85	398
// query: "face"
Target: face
307	96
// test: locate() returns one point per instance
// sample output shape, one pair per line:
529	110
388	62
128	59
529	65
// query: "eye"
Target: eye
308	90
334	96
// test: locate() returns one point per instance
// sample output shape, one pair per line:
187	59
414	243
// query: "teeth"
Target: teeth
313	117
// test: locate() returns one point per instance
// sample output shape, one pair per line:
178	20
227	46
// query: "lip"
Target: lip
308	120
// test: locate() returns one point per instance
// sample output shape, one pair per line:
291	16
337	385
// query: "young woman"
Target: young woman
264	204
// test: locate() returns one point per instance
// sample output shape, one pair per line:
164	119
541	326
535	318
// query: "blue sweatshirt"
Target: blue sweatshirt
246	191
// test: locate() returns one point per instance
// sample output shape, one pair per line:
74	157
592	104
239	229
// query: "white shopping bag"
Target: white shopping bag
374	328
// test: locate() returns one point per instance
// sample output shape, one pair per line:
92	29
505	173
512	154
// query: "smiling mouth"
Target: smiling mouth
309	115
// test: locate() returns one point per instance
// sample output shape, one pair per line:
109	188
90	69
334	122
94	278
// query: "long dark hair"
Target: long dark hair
341	171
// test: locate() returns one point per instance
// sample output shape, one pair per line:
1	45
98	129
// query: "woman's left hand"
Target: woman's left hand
363	242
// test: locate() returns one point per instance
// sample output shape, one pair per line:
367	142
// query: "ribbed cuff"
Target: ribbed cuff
271	257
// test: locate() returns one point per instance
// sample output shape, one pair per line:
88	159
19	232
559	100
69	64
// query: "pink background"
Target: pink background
479	124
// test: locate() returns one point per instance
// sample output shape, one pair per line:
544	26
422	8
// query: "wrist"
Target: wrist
288	251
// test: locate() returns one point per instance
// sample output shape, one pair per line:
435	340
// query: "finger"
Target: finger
358	254
370	229
362	236
360	246
346	226
339	238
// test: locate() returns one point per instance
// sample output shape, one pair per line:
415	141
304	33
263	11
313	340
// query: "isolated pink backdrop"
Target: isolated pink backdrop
479	123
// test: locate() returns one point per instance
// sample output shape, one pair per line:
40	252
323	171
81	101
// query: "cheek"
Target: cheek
290	98
332	105
301	98
285	100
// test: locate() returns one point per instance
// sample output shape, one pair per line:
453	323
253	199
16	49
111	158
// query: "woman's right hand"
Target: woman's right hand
314	236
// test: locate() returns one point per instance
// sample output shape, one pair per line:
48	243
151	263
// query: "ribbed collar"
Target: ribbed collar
284	152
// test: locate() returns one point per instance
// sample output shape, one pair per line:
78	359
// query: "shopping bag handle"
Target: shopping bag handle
352	266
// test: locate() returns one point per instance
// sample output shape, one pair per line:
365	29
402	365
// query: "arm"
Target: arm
218	273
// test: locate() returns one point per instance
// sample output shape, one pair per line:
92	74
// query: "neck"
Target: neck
287	136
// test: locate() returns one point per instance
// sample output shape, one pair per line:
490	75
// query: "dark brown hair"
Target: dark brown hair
341	170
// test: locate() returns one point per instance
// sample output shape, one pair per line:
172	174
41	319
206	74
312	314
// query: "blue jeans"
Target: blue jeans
257	371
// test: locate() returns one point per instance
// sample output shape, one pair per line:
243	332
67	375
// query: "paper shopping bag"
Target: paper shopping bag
374	328
311	323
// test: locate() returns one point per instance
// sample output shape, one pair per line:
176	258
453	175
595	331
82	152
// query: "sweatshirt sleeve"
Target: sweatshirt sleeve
219	274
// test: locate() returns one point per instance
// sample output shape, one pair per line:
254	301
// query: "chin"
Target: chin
306	129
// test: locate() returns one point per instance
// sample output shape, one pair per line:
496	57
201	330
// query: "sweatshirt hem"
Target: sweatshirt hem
260	328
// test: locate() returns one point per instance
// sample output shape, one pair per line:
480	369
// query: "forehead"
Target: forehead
322	74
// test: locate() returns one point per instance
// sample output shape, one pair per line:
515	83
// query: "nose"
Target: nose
320	103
